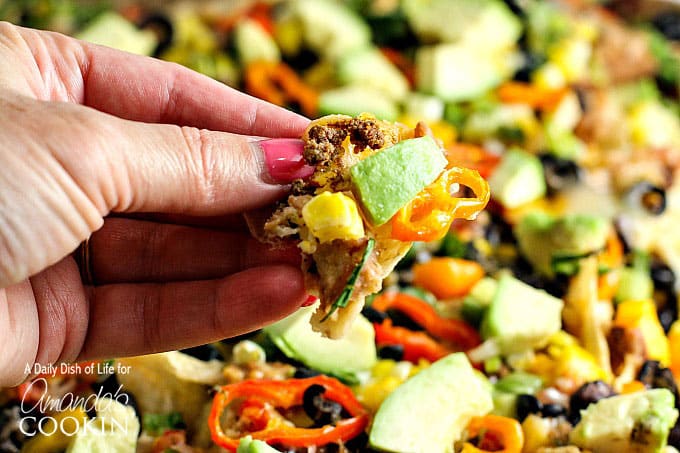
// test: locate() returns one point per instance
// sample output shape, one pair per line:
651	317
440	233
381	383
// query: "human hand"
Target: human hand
86	132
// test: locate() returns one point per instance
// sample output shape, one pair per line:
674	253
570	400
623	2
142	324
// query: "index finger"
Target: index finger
144	89
150	90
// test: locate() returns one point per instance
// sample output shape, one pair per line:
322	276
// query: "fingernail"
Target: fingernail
284	160
310	301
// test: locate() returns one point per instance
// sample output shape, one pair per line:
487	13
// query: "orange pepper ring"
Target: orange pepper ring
440	207
508	430
277	83
286	394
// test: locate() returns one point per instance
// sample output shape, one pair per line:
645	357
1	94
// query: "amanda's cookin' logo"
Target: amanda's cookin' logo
65	410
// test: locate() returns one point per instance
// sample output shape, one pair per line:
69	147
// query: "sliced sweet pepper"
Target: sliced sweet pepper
429	215
258	395
496	434
447	277
441	336
531	95
279	84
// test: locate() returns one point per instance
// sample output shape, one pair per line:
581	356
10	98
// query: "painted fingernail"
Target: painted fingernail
310	301
284	160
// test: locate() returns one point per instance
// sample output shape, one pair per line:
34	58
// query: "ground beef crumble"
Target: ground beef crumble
325	140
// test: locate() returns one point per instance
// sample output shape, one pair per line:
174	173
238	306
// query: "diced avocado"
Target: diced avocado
423	107
355	100
637	422
250	445
504	404
518	179
519	383
458	72
330	28
253	43
543	238
343	358
429	412
521	317
497	119
478	300
636	282
368	67
113	30
482	24
387	180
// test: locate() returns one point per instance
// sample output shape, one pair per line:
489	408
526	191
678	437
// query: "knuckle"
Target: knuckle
202	155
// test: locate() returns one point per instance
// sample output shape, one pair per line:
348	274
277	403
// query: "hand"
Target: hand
87	131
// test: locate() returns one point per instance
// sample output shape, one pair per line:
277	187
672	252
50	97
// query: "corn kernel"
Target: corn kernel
383	368
332	216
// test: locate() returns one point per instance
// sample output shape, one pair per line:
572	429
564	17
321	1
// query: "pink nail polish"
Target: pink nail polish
310	301
284	160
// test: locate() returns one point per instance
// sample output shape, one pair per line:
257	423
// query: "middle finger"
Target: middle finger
127	250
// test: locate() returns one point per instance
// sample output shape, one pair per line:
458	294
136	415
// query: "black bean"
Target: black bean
653	375
662	275
515	7
648	197
358	444
399	318
304	59
553	410
391	351
559	173
318	408
374	315
588	393
527	405
668	23
674	436
303	373
531	62
647	372
162	28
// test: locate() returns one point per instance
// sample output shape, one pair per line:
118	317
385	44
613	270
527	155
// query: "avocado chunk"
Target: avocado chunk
521	317
330	28
342	358
637	422
429	412
458	72
483	24
368	67
354	100
518	179
249	445
387	180
545	240
113	30
478	300
253	43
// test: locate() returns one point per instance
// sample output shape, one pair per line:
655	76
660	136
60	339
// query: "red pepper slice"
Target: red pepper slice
429	215
285	394
431	345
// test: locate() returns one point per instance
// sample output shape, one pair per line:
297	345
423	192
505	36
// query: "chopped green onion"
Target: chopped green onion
343	300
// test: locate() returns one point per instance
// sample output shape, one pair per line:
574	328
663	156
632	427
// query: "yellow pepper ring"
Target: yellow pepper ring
467	208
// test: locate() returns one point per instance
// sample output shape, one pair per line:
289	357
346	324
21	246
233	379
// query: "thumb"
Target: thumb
70	165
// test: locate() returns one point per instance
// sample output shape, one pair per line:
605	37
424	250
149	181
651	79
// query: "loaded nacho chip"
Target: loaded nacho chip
377	187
